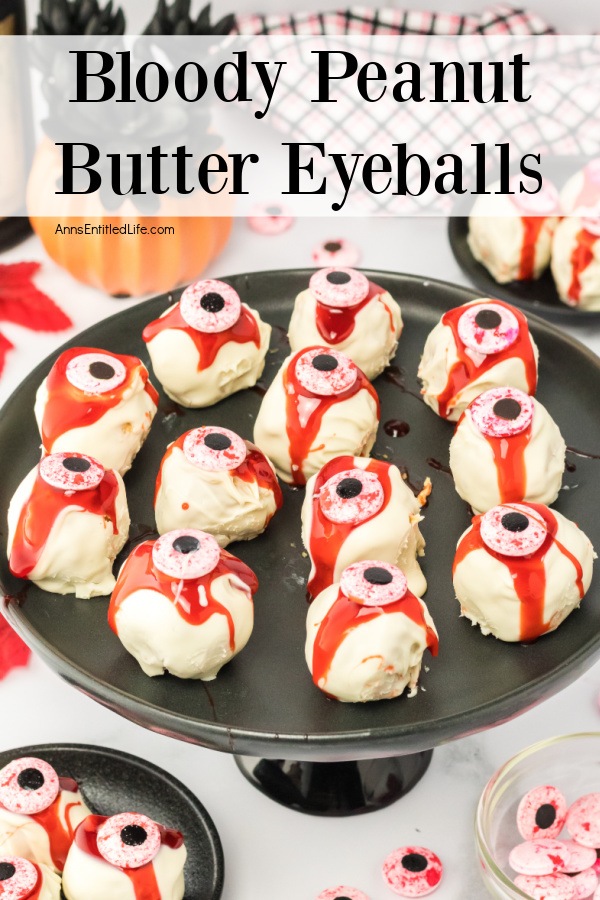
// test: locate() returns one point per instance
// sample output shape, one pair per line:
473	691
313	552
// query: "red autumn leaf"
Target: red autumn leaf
13	651
5	346
22	303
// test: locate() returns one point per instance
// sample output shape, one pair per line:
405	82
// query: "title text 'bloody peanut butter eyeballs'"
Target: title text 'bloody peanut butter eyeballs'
207	346
475	347
342	309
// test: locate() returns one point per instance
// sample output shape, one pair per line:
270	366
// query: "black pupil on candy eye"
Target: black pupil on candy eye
217	441
545	816
30	779
332	247
186	544
507	408
324	363
414	862
76	464
273	210
348	488
488	319
101	370
338	278
133	835
377	575
515	521
7	870
212	302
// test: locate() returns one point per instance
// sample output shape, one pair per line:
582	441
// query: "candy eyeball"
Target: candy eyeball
186	554
351	497
488	328
210	306
214	449
591	224
28	786
18	878
339	287
373	583
541	813
71	471
502	412
412	871
270	219
96	373
513	530
583	820
545	202
325	372
338	252
343	892
129	840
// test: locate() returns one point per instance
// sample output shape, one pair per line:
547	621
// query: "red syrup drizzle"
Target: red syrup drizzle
345	615
509	458
532	228
143	879
139	573
335	324
68	407
327	537
303	404
254	468
581	257
41	510
527	572
207	344
465	370
37	890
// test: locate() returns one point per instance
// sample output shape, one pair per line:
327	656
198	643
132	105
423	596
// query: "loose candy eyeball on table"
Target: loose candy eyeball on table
583	820
585	883
343	892
270	219
541	813
580	858
412	871
540	857
338	252
546	887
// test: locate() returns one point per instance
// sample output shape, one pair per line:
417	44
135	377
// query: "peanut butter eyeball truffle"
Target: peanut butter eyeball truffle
576	261
207	346
475	347
507	448
183	605
320	405
511	235
67	521
125	857
98	403
520	570
342	309
356	508
366	635
211	479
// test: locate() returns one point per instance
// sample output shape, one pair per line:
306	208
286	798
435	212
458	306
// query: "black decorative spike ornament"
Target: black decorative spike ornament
176	19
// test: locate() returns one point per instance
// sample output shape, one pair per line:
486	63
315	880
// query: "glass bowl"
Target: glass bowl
570	762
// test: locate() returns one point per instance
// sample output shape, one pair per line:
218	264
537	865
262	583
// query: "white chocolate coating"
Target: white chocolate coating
373	342
376	660
486	592
81	547
440	355
392	535
151	629
496	237
347	427
88	877
474	467
116	437
21	835
220	503
564	244
236	366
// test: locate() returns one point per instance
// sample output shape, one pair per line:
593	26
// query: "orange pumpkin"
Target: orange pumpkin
125	264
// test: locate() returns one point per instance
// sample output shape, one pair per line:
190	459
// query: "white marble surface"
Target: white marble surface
270	851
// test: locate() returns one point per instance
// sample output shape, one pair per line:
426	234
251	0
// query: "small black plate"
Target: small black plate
112	782
264	703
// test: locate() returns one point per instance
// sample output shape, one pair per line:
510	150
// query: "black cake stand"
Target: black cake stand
292	742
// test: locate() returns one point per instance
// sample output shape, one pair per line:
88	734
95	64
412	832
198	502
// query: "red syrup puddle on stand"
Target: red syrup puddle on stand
396	428
305	411
327	537
528	573
335	324
254	468
581	257
395	375
345	615
465	370
68	407
143	879
140	574
532	228
44	505
244	331
438	466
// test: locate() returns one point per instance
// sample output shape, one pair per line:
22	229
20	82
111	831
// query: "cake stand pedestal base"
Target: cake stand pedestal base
335	788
